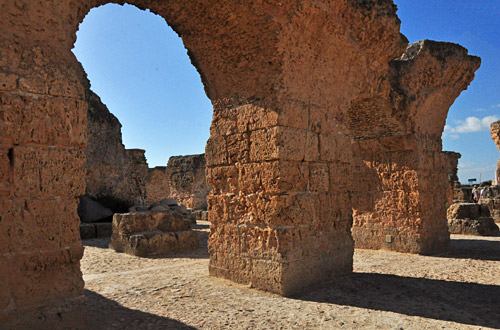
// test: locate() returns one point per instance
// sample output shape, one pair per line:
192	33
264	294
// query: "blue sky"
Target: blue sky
141	71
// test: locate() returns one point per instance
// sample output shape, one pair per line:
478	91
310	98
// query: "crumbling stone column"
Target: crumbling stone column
495	135
42	138
452	166
404	205
281	162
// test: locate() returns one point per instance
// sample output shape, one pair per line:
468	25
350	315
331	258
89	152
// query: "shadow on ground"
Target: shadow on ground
104	313
466	303
480	249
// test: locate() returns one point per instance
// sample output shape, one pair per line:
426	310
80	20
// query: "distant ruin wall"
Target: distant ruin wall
403	176
182	179
495	135
157	185
452	169
112	170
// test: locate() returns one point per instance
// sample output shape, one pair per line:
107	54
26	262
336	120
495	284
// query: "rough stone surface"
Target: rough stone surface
157	185
463	194
492	201
293	83
452	170
403	174
182	179
152	233
112	171
471	219
495	135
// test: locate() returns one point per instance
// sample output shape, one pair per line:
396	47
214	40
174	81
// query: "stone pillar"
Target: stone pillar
276	221
402	206
42	141
495	135
452	166
281	162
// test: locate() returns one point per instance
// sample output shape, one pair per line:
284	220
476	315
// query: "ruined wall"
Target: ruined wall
112	170
452	166
292	84
157	185
495	135
187	180
183	179
42	142
281	166
399	141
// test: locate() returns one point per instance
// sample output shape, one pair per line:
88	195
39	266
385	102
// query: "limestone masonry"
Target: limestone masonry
150	233
112	170
495	135
320	107
183	179
122	175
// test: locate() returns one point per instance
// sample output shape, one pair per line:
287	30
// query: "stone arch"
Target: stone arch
283	77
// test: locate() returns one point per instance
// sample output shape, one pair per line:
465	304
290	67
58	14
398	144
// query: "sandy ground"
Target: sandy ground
456	290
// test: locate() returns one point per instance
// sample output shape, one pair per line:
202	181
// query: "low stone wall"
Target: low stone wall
495	135
152	233
471	219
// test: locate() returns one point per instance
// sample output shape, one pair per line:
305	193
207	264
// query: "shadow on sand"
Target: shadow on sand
466	303
104	313
480	249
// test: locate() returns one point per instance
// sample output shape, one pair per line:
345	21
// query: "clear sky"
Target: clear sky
141	71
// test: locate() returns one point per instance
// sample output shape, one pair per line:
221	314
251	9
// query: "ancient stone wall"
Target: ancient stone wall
403	169
452	167
157	185
281	165
183	179
42	141
495	135
292	84
187	180
112	171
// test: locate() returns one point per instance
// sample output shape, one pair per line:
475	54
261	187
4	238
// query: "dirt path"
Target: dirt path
456	290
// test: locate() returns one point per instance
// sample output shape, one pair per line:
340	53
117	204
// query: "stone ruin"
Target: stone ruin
119	178
157	230
113	172
312	101
471	219
182	179
495	135
398	139
467	217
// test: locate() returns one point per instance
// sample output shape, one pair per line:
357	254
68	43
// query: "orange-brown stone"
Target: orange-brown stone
495	135
304	92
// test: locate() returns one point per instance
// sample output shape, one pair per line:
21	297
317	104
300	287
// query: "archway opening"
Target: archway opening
142	84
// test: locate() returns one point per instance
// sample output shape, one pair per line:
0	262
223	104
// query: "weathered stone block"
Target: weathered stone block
480	226
152	233
471	219
156	243
37	171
